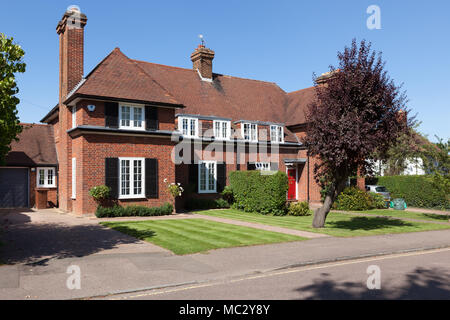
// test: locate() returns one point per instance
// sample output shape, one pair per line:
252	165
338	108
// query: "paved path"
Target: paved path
390	217
305	234
433	211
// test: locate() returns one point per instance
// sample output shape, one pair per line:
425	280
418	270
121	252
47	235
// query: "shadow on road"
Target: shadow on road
421	284
36	243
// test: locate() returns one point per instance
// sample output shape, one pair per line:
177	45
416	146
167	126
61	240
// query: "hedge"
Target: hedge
354	199
204	204
133	211
418	191
256	192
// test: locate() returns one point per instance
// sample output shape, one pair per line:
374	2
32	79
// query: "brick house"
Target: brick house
132	124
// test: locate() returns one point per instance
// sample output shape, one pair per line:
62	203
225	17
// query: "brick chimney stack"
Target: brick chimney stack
71	43
202	61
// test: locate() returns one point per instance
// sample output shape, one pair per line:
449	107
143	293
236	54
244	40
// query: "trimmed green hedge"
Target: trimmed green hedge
256	192
133	211
204	204
418	191
354	199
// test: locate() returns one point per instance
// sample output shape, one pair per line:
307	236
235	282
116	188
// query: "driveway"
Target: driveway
35	237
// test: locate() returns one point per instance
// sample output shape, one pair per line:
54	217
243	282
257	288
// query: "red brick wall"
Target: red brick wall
91	151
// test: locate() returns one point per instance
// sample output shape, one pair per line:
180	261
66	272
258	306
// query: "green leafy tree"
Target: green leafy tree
11	55
437	162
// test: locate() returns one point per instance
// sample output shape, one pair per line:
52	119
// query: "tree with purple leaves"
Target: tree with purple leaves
358	112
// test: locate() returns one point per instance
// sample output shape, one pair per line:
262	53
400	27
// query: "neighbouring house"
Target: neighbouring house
31	168
132	125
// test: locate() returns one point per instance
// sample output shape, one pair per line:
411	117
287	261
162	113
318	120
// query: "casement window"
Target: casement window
131	117
131	178
74	116
276	134
46	177
207	177
188	126
250	131
74	178
222	129
262	166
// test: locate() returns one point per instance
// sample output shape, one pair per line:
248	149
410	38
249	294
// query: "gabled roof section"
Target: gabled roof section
297	104
121	78
36	147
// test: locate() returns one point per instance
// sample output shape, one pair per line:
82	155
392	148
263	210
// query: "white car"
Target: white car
380	190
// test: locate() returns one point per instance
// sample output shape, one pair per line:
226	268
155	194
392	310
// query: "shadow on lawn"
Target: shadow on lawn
437	216
368	223
420	284
139	234
37	243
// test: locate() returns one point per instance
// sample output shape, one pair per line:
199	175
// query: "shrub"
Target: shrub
133	211
418	191
299	209
99	193
227	194
378	201
255	192
204	204
354	199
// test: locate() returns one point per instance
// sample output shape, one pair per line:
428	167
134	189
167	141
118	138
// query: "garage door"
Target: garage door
13	187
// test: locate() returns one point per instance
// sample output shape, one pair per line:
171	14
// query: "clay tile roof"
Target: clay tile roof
119	77
297	103
36	146
231	97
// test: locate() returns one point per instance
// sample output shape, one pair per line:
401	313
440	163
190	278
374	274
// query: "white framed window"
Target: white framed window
74	116
74	178
222	129
276	134
207	176
250	131
188	126
46	177
131	178
262	166
131	117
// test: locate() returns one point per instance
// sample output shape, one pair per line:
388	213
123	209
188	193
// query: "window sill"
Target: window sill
132	197
132	128
205	192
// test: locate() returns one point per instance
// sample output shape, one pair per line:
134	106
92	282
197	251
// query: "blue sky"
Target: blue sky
278	41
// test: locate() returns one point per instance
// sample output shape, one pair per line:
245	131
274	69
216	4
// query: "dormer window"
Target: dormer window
250	131
276	134
131	117
188	126
222	129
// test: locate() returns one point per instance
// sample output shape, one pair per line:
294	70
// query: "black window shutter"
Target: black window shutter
251	166
112	176
193	176
221	176
112	114
274	166
151	178
151	118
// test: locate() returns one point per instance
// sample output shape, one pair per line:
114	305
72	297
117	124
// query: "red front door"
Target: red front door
292	194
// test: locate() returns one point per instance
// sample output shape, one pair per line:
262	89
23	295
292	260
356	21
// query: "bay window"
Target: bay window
207	176
188	126
131	178
250	131
131	117
222	129
276	134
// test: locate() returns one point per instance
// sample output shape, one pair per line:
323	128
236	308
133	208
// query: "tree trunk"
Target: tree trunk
320	214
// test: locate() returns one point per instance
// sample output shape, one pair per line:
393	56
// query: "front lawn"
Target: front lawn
185	236
337	224
407	214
